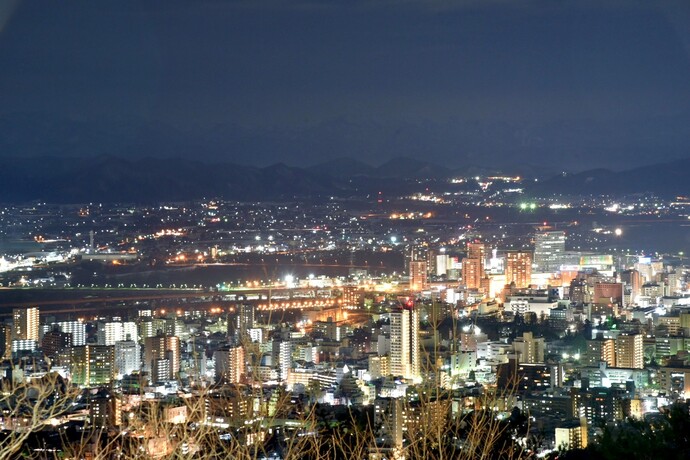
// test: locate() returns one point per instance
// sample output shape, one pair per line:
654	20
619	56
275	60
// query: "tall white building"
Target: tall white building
118	332
127	357
25	324
77	329
282	357
548	251
404	343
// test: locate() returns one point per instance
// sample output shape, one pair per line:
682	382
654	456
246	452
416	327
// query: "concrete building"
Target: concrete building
518	268
162	357
230	364
25	324
529	350
549	248
572	437
77	329
629	351
127	357
418	276
404	343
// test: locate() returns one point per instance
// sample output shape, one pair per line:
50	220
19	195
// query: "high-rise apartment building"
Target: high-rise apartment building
25	324
127	357
573	436
230	364
477	250
473	266
55	342
519	268
404	343
77	329
601	349
118	331
630	351
281	355
92	365
162	357
471	273
244	319
418	276
549	247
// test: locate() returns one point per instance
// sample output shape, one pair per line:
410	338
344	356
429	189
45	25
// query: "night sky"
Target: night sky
560	85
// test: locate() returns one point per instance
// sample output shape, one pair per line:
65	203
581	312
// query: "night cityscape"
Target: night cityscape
344	230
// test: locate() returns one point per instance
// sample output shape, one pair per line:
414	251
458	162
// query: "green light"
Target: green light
532	206
523	206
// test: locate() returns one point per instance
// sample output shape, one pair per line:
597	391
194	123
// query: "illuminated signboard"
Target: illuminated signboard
596	260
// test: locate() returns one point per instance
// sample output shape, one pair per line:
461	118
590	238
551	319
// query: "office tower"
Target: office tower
442	262
77	329
162	357
519	268
55	342
530	350
117	332
230	364
418	276
548	251
404	343
92	365
5	341
127	357
25	324
629	351
601	349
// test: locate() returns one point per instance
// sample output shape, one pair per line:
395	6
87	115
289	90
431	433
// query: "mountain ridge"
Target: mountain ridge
109	178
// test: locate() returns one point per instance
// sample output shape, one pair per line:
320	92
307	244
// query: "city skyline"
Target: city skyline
345	229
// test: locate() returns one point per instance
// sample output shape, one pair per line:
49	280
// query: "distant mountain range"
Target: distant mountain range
547	147
114	179
663	179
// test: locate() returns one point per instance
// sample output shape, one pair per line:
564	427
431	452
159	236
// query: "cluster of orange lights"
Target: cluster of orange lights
178	312
299	304
183	258
411	215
